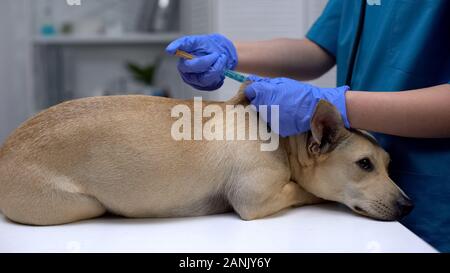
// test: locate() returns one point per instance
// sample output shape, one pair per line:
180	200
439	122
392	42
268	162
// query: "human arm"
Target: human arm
422	113
300	59
416	113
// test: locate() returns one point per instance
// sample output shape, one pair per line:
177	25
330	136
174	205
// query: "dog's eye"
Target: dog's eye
365	164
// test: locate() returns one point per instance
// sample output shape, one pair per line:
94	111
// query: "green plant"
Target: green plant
67	28
143	73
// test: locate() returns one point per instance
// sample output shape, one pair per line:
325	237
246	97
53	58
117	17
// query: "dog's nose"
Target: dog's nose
405	206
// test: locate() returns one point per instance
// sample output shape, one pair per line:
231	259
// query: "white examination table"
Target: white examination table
320	228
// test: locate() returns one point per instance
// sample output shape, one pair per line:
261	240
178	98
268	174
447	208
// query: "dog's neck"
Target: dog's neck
299	159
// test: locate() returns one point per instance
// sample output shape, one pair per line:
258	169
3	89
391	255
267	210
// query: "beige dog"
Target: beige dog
82	158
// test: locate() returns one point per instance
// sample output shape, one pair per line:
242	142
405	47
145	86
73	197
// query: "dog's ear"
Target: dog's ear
327	129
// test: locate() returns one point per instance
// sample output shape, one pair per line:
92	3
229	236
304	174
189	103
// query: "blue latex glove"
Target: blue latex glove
215	54
297	101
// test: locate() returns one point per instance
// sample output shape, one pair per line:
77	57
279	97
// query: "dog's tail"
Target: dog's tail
240	98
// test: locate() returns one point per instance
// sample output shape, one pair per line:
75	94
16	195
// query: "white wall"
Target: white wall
91	69
16	98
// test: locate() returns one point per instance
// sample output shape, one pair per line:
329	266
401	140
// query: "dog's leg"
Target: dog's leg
42	198
53	209
291	194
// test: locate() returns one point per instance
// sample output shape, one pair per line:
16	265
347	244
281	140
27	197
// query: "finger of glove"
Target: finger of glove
220	65
200	83
187	43
198	65
257	92
216	73
251	92
255	78
190	78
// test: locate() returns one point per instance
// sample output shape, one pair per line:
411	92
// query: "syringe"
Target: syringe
229	73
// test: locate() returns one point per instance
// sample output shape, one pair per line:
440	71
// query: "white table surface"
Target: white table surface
320	228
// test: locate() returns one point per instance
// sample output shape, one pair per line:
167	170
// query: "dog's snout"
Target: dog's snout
404	206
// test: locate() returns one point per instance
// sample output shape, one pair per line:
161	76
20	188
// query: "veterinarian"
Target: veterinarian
395	53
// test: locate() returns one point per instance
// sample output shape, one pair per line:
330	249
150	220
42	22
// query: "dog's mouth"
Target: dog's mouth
367	212
375	210
359	209
380	211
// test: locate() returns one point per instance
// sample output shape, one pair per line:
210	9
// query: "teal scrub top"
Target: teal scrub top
402	45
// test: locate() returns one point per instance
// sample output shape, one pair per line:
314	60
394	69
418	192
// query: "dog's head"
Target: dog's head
349	167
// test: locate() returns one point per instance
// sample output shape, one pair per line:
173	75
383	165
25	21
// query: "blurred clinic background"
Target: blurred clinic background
57	50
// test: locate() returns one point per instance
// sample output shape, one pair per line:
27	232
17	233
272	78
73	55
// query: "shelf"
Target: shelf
126	39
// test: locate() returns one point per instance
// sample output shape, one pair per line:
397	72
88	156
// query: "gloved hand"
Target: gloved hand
297	101
215	54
